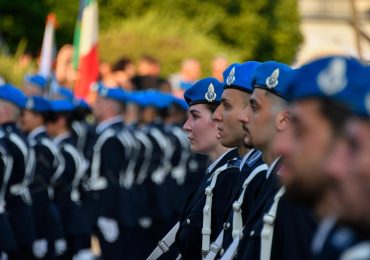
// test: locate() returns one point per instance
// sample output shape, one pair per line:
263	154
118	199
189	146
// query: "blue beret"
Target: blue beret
36	80
181	103
61	105
80	103
38	104
65	93
137	97
340	78
274	77
206	91
116	93
239	76
158	99
11	94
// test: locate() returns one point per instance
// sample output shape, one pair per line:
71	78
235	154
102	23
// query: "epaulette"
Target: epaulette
254	158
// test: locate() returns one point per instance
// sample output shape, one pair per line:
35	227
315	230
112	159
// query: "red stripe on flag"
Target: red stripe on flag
88	73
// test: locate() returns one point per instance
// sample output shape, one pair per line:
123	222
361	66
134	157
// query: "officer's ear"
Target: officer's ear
283	120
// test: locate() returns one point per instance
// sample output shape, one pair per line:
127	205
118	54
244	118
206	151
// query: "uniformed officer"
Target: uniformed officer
349	169
201	218
276	228
48	224
35	85
67	184
106	154
8	242
319	92
17	197
237	90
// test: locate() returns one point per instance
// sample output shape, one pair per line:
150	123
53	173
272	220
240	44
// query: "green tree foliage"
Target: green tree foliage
254	29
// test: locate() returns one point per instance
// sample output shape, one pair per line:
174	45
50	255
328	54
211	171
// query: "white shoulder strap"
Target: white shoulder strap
215	247
231	250
359	251
165	244
237	215
207	210
268	227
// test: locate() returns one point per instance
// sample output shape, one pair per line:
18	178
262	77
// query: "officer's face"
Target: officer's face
201	129
349	168
305	148
258	121
226	115
30	121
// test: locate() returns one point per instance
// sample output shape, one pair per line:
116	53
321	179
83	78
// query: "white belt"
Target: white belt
165	244
237	214
207	210
268	227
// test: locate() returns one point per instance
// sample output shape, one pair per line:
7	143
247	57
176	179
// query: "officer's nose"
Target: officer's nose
217	115
186	125
243	115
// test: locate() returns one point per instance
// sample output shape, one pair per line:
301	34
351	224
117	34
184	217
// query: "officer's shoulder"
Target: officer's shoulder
233	163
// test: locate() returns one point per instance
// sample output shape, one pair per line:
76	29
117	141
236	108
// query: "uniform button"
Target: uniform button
228	225
187	221
252	233
222	252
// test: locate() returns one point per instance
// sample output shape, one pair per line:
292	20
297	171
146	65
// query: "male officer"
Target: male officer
48	163
276	228
67	183
35	85
319	92
349	169
106	153
17	198
237	90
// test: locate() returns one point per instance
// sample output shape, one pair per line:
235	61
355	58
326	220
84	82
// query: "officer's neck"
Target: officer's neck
242	150
217	152
269	156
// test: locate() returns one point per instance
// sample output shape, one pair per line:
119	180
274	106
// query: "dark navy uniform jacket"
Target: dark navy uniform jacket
189	236
293	228
7	238
332	239
18	206
74	218
251	194
109	151
47	217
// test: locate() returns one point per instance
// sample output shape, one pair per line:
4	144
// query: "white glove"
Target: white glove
60	247
3	256
84	254
40	248
109	228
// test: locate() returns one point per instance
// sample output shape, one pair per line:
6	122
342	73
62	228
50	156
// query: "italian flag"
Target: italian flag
86	48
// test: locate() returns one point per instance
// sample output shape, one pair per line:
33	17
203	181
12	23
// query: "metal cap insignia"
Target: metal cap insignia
272	81
29	103
210	94
333	79
231	78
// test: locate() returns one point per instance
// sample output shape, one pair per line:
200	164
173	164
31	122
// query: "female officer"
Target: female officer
202	216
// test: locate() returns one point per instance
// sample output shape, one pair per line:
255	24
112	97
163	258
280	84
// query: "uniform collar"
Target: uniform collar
213	165
59	139
245	158
272	166
35	132
107	123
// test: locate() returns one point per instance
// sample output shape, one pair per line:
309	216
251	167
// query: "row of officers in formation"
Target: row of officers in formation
283	170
